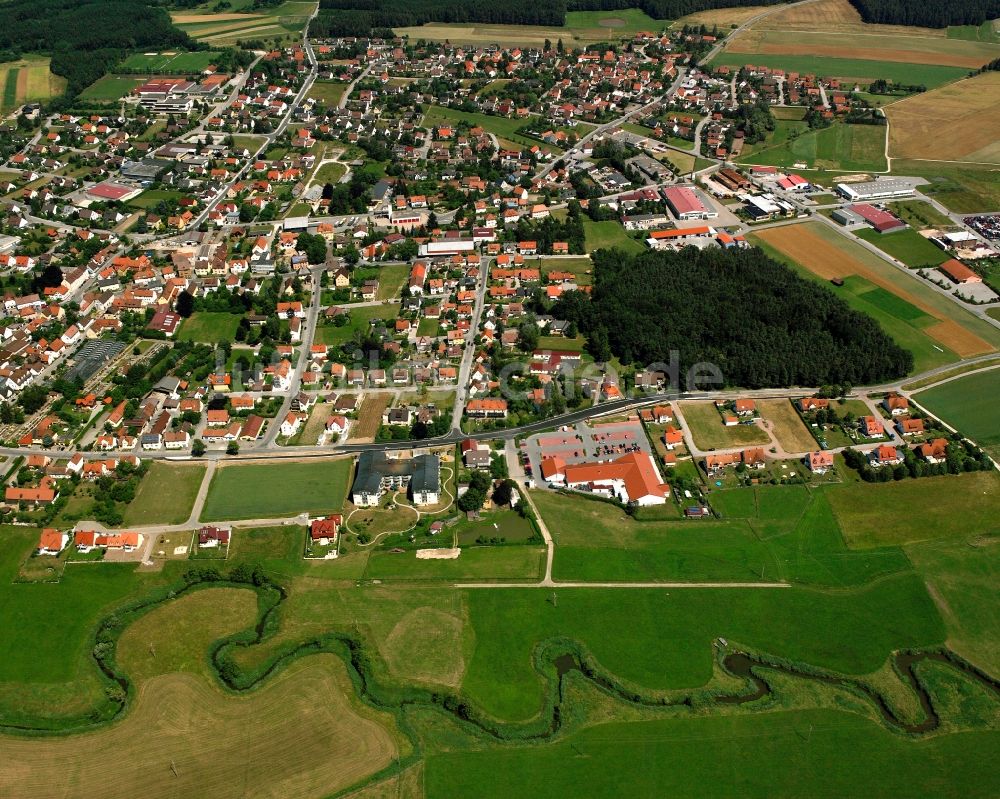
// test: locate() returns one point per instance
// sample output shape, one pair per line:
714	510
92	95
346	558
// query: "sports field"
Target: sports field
110	87
708	431
942	329
582	27
166	494
172	61
855	69
970	405
957	122
276	490
209	327
853	148
27	80
907	246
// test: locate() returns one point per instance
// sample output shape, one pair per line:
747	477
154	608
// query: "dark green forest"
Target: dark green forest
754	318
929	15
85	38
356	17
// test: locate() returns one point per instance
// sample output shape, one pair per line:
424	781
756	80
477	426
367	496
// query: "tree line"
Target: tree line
928	15
755	319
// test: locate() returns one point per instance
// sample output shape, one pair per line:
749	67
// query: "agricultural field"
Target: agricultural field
266	491
936	329
602	235
708	431
369	416
27	80
209	327
166	494
969	404
582	27
241	22
502	127
722	17
967	110
172	62
766	38
907	246
851	69
852	148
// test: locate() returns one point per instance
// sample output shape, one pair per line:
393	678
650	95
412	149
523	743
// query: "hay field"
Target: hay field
183	736
370	416
827	257
721	17
968	110
785	425
836	16
863	45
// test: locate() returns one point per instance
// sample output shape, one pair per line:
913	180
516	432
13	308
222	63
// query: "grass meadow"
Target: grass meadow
209	327
969	404
166	494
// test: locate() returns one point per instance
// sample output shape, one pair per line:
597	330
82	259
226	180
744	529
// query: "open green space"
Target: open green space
110	87
170	62
151	197
502	127
907	246
166	494
608	234
330	172
770	533
988	31
475	563
765	756
920	214
327	92
970	405
930	75
947	507
267	491
360	320
709	431
838	147
209	327
663	638
962	188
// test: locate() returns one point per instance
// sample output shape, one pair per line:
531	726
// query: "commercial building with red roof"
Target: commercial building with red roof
686	204
882	221
958	272
632	478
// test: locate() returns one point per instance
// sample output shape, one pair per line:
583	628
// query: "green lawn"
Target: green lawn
264	491
838	147
777	754
907	246
331	172
110	87
209	327
166	494
331	335
327	92
501	127
929	75
151	197
428	327
601	235
970	405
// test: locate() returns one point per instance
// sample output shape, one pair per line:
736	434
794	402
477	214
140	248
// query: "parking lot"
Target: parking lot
586	444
